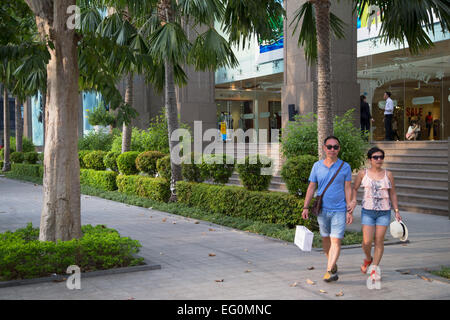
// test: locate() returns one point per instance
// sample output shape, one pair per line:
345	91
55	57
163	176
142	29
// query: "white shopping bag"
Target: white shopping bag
303	238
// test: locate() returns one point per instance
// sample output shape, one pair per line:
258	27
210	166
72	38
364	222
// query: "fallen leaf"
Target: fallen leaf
294	284
339	294
310	268
174	222
322	291
211	229
164	220
212	254
221	280
308	281
203	233
405	272
247	271
196	222
426	279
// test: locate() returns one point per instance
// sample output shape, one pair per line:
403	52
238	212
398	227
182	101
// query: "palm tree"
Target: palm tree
401	19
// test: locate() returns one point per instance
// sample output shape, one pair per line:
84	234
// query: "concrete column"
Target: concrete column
300	79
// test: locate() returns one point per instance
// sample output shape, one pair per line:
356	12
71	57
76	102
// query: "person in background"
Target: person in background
395	135
388	114
379	198
413	131
365	116
335	211
429	124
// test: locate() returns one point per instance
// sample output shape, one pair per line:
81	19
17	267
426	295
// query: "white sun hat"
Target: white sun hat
399	230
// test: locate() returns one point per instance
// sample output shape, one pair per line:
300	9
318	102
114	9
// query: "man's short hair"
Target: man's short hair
331	137
388	93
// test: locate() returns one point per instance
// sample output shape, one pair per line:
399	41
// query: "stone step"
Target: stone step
419	189
416	151
416	158
422	181
410	144
419	173
417	198
416	165
420	208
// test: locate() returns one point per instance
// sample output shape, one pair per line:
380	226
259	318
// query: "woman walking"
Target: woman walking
379	198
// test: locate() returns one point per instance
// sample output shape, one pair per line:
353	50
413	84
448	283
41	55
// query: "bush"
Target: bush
41	157
250	172
81	155
301	138
268	207
295	173
29	170
97	140
154	138
146	161
157	189
16	157
110	160
164	168
30	157
94	160
126	162
192	171
23	256
105	180
219	167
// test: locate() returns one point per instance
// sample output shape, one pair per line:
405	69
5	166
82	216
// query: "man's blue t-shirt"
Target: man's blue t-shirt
334	198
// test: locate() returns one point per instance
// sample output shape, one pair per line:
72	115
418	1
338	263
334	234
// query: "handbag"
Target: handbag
317	205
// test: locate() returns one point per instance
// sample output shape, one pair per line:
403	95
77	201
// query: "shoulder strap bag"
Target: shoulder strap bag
317	205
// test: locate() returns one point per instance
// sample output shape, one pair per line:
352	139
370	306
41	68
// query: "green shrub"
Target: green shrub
41	157
99	116
27	146
253	173
126	162
29	170
30	157
219	167
16	157
192	171
23	256
81	155
105	180
94	160
110	160
1	164
268	207
146	161
164	168
300	138
154	138
295	173
97	140
157	189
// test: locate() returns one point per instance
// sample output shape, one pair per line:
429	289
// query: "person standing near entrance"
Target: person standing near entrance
388	114
335	212
365	116
429	124
379	197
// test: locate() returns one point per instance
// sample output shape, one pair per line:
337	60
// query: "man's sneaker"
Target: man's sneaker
365	265
334	269
328	277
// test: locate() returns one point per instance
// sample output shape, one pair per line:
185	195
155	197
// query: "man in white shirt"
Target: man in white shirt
388	114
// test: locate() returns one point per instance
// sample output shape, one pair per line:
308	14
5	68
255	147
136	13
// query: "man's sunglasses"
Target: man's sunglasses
335	147
378	157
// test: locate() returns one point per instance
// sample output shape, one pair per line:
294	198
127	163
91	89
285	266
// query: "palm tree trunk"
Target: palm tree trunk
324	97
60	217
6	133
19	125
126	129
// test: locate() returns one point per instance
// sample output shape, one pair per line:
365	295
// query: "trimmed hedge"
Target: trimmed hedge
23	256
110	160
153	188
81	155
192	171
295	173
218	167
126	162
146	161
30	157
16	157
29	170
105	180
164	168
250	172
268	207
94	160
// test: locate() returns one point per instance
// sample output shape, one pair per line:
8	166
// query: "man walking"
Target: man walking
388	114
336	207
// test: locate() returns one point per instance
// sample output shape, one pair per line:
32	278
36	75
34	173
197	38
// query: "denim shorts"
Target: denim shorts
375	217
332	224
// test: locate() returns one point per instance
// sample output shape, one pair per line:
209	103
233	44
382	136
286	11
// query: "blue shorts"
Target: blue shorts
332	224
375	217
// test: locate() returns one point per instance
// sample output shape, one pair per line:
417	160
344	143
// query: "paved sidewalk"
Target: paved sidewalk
251	266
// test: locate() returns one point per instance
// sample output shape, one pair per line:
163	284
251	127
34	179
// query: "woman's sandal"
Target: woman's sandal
365	265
